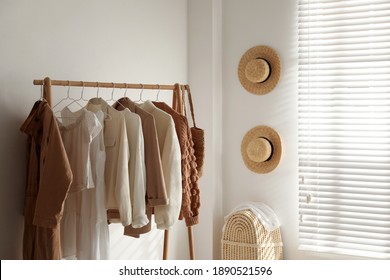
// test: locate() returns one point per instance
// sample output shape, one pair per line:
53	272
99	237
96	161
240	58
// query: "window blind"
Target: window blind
344	126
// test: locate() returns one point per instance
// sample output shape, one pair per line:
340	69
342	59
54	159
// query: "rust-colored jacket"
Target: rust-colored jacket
48	180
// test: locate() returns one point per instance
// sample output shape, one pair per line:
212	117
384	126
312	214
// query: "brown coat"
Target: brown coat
48	181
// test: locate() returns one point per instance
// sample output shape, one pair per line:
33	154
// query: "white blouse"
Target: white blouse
77	133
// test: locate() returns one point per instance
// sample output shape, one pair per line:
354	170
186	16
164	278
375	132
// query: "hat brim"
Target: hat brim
273	60
270	134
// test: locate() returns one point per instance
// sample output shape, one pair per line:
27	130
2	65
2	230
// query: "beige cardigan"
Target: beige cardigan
116	173
155	185
156	193
167	215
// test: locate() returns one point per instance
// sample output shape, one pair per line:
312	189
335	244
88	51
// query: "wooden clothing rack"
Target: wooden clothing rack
47	84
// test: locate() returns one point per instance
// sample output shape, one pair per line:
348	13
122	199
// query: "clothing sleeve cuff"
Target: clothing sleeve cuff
140	221
190	221
157	201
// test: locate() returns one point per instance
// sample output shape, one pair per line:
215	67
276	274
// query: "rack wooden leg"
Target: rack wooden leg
47	90
191	243
166	238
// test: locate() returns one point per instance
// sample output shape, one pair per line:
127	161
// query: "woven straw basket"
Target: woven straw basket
245	238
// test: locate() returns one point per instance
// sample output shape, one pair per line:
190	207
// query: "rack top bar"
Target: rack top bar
102	84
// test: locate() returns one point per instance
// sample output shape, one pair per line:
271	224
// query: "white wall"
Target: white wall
220	31
150	42
246	24
205	78
228	111
113	41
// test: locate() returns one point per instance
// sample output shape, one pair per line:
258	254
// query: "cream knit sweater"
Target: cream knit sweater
167	215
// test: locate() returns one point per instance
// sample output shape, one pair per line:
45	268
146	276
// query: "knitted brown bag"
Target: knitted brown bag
198	137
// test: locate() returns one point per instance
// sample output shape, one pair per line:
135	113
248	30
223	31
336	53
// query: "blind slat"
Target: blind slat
344	126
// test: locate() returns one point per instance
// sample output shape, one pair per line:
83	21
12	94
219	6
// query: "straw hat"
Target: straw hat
259	70
261	149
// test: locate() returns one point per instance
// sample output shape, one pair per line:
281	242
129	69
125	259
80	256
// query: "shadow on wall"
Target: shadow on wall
121	245
13	152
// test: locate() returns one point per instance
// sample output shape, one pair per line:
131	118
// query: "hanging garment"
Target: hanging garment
155	186
116	173
167	215
191	195
48	180
137	169
77	133
92	234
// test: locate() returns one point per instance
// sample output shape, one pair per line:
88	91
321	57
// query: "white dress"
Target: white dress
77	134
92	238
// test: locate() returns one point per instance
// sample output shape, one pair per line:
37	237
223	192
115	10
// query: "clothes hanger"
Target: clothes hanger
125	96
97	94
41	98
98	88
77	100
101	101
112	96
158	93
82	94
140	95
112	93
67	97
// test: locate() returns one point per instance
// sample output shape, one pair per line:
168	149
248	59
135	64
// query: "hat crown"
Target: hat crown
259	149
257	70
